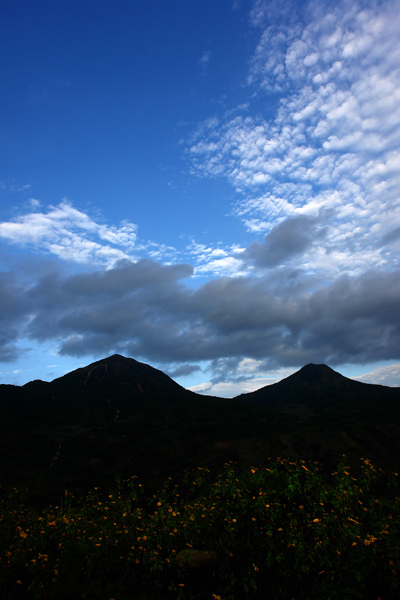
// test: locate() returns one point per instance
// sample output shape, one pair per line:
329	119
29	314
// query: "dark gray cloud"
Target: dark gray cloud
288	239
125	276
146	311
391	236
184	370
14	312
8	352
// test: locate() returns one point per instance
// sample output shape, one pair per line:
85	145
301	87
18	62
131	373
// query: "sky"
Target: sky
212	188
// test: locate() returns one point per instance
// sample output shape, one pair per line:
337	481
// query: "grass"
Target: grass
286	531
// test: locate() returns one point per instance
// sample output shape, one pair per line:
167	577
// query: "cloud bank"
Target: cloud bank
144	309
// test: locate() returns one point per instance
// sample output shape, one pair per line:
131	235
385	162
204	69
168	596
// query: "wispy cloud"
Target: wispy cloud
14	187
205	59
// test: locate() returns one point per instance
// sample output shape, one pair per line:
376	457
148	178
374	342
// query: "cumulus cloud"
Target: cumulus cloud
146	310
286	240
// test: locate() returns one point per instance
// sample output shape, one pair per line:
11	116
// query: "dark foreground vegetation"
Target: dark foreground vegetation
284	531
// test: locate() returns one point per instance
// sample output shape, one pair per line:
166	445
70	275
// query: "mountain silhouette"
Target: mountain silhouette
118	416
90	390
118	375
319	385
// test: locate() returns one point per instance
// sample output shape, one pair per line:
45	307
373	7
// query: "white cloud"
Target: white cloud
215	261
228	389
205	58
332	140
221	266
70	234
256	379
14	187
388	375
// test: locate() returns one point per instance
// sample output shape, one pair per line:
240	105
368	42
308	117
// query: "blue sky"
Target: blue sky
211	188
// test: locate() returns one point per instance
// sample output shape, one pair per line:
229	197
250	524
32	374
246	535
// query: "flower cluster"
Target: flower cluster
286	530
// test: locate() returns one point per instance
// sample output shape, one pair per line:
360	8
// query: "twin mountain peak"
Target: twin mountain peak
129	379
118	416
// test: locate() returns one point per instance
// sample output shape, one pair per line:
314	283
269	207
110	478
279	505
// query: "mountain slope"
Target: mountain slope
335	415
319	386
118	416
112	381
117	375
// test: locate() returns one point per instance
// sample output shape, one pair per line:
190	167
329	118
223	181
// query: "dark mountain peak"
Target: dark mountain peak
117	376
313	373
115	364
310	376
314	385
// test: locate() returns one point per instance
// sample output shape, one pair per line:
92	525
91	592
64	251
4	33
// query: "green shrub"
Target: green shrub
282	532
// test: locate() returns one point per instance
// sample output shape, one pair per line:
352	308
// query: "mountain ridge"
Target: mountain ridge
310	372
314	384
118	416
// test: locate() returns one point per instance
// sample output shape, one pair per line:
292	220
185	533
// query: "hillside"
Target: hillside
319	386
118	416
